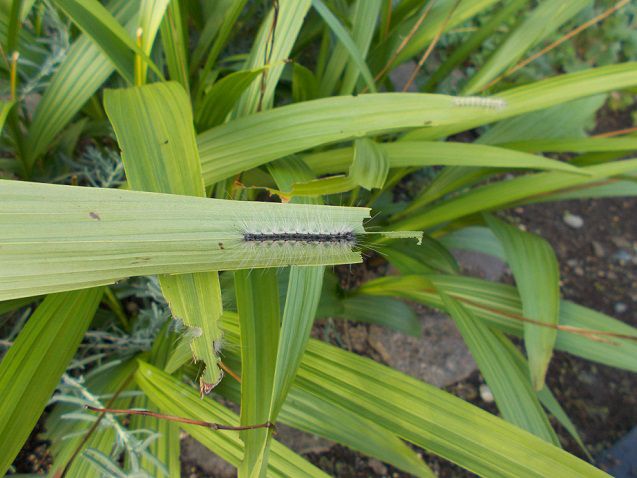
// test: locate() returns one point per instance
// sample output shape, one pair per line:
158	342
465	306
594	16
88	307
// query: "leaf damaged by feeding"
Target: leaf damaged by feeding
159	234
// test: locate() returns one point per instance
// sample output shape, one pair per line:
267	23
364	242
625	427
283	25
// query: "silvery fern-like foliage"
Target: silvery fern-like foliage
53	45
133	444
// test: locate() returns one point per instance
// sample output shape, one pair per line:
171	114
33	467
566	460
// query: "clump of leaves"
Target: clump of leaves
235	167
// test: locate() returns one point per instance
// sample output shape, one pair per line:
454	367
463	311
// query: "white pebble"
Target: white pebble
573	220
620	308
485	393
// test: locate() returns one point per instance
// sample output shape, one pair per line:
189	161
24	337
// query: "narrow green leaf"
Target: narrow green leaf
546	397
5	107
98	23
31	369
301	303
500	194
383	311
304	84
606	189
290	18
433	419
257	139
368	169
175	398
7	306
404	154
430	256
575	145
569	120
364	20
218	21
175	42
337	62
150	17
510	385
15	22
475	238
303	294
170	164
221	24
222	97
537	277
323	186
260	322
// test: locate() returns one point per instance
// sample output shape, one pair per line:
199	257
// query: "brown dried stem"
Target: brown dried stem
171	418
431	47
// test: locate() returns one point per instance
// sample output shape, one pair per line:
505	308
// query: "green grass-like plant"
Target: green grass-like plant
214	107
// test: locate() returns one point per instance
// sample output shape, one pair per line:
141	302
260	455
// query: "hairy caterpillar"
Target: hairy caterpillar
340	238
496	104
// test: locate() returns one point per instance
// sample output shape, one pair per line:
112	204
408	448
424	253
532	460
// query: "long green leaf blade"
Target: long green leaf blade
56	238
257	303
168	161
306	412
289	20
31	369
537	276
346	40
503	193
511	386
428	417
500	306
403	154
150	18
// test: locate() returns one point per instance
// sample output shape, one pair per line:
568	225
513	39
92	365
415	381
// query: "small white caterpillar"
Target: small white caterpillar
496	104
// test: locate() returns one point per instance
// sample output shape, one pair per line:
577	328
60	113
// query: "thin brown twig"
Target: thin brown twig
62	473
610	134
269	49
431	47
171	418
403	44
590	333
558	42
229	371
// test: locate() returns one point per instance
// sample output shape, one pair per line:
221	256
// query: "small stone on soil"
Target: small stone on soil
486	394
620	308
598	249
573	220
377	467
